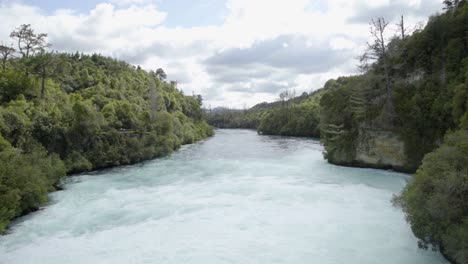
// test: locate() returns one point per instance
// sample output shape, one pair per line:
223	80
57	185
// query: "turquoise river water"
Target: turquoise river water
235	198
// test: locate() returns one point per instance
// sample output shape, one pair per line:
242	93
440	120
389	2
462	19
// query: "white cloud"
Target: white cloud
262	46
130	2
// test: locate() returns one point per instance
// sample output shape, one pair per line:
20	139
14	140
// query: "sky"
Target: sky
235	53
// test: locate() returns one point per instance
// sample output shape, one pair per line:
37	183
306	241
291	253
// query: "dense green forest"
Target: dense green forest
416	89
68	113
289	116
234	118
425	95
298	118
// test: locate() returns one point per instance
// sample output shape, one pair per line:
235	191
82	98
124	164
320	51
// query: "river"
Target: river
235	198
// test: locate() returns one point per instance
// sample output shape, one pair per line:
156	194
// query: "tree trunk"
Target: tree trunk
43	83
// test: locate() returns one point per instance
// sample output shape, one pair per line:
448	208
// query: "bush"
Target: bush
435	202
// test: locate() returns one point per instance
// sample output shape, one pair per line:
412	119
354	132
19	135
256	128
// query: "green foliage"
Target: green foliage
75	113
13	84
339	117
4	144
300	120
25	180
75	162
427	108
435	201
251	118
429	74
233	118
429	98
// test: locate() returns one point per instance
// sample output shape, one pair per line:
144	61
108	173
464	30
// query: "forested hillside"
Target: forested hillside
415	92
67	113
234	118
289	116
298	118
411	101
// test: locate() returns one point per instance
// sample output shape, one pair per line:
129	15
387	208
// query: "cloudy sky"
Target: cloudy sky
233	52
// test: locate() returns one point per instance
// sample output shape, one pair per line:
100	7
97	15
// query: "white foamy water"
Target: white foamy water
235	198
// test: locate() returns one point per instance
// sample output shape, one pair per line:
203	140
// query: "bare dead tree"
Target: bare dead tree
377	50
404	31
283	96
292	94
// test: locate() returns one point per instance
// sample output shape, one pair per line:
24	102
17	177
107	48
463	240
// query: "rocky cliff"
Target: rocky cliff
380	149
373	148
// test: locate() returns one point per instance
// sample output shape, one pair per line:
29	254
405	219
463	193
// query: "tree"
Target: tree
286	96
12	84
153	99
7	53
161	74
199	99
377	50
435	201
292	94
29	43
43	66
451	4
283	96
402	28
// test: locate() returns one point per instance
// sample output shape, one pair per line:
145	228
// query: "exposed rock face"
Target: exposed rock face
373	148
341	157
380	149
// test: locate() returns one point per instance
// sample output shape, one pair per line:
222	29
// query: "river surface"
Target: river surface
235	198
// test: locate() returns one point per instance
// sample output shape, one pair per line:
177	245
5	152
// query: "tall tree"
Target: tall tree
199	99
43	66
29	43
403	30
377	49
283	96
153	99
6	53
161	74
292	94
